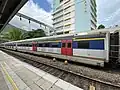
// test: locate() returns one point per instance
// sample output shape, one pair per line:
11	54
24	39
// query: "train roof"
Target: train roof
93	32
105	30
43	38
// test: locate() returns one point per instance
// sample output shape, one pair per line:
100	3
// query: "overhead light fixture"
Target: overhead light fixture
29	21
20	18
0	15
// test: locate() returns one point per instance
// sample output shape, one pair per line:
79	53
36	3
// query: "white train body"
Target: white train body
91	48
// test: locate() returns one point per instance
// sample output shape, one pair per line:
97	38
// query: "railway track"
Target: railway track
65	73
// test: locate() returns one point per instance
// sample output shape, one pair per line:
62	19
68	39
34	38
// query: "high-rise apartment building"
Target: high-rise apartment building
71	16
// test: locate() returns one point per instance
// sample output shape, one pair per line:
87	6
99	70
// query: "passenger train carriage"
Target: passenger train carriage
92	48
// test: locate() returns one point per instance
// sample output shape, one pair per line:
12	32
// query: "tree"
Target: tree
34	34
13	34
101	26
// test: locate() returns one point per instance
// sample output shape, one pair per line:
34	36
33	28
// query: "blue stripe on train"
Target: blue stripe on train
75	44
96	44
93	44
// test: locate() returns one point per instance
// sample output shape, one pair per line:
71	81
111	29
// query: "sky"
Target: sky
108	13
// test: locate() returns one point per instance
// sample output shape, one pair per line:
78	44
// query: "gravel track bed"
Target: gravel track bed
86	71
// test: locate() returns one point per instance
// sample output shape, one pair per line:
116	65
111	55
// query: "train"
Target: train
96	48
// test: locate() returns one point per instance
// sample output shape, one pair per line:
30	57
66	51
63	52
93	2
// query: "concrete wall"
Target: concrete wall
82	16
55	4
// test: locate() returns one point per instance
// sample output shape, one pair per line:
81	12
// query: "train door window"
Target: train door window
35	45
63	45
69	45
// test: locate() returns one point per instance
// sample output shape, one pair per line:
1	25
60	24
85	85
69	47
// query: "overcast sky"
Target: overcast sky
108	13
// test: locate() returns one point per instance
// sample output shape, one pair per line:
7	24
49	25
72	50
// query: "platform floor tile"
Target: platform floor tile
50	78
40	82
46	85
32	78
20	84
35	87
3	84
54	87
64	85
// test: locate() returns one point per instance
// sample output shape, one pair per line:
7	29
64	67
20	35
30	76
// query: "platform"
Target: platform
18	75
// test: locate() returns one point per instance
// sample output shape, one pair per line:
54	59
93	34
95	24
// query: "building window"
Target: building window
59	28
67	21
67	9
57	23
67	26
61	1
93	24
67	14
92	28
67	2
93	3
93	17
60	33
67	32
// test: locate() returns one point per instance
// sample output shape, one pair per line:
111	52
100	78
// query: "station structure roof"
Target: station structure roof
8	8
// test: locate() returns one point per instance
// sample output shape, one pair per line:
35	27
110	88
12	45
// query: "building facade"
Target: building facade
72	16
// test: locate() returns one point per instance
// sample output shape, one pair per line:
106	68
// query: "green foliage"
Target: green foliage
16	34
13	34
34	34
101	26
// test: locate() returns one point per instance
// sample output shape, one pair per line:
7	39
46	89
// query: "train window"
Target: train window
27	45
63	44
46	45
30	45
54	44
69	45
40	45
83	44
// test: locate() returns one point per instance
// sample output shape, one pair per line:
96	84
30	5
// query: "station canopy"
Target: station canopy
8	8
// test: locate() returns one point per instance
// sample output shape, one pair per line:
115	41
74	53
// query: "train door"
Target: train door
34	46
114	48
66	48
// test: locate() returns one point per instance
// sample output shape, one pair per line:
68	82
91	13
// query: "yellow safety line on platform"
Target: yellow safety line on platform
9	77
